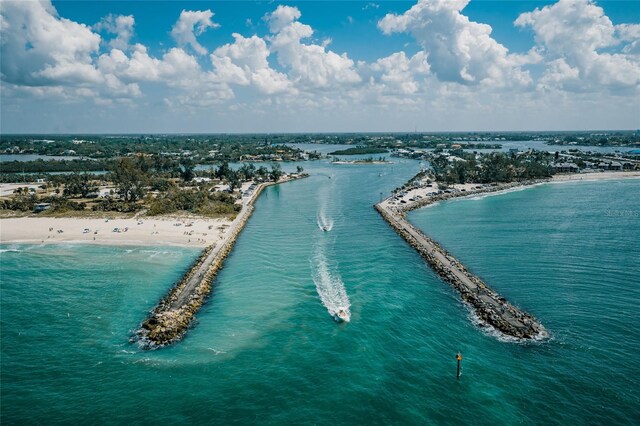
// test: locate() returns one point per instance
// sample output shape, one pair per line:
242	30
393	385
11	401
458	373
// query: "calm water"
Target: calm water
265	349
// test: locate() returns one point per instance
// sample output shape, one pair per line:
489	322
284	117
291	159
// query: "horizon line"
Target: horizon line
317	132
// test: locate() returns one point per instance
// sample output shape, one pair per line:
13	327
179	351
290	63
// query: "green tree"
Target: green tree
275	173
262	172
233	180
187	167
223	171
247	171
79	184
129	180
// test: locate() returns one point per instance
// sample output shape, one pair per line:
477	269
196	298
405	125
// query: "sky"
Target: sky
318	66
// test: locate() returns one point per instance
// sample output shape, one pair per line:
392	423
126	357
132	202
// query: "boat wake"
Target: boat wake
323	223
330	288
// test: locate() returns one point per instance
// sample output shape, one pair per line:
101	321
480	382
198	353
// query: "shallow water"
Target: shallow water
265	350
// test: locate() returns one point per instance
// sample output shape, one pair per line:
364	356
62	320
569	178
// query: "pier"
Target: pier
170	319
491	308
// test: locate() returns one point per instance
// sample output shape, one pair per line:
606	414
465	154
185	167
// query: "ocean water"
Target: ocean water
266	350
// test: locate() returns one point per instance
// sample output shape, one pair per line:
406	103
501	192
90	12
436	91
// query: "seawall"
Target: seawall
491	308
168	322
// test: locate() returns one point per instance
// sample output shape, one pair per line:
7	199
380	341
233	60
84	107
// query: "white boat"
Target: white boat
342	315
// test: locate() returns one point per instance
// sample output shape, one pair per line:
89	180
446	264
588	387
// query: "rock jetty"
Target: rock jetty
168	322
491	308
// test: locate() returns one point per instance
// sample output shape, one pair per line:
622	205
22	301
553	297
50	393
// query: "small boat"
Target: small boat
325	229
343	315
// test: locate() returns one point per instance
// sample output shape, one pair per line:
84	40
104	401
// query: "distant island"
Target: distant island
359	150
203	149
369	160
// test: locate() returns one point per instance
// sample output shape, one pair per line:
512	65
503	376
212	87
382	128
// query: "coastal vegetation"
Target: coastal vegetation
491	167
359	150
367	160
155	184
200	201
53	166
204	149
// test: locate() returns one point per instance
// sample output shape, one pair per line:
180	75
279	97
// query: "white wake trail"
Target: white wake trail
323	223
329	286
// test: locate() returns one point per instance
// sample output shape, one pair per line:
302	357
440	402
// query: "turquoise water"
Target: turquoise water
265	349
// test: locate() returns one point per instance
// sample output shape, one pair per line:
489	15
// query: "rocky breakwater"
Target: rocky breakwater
170	319
490	308
172	316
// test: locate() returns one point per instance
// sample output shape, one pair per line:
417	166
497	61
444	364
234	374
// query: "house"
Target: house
566	167
615	165
612	165
201	179
40	207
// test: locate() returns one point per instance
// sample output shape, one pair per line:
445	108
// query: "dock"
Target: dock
491	309
168	322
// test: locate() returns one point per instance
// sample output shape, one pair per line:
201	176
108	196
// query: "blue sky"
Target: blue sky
319	66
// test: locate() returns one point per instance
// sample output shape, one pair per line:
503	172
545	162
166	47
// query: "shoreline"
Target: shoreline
471	189
177	230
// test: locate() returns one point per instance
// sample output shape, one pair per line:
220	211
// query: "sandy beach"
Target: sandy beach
144	232
595	176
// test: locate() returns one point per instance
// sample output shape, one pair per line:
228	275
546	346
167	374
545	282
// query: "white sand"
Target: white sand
152	232
595	176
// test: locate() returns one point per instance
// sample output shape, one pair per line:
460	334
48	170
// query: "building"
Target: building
201	179
40	207
566	167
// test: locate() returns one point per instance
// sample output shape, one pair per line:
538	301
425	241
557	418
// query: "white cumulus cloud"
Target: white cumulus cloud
398	72
310	65
245	62
40	48
571	35
458	49
191	24
121	26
